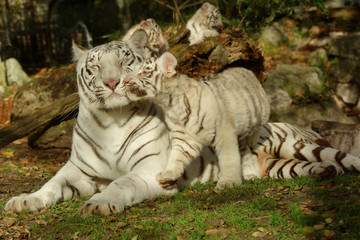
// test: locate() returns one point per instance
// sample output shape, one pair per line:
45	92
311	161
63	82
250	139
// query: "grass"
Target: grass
263	209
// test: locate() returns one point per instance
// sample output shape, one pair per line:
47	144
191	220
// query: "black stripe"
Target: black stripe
141	159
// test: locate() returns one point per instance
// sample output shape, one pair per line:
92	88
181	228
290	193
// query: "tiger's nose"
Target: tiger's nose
112	84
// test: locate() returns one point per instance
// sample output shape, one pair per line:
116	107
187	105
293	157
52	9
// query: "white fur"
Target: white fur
204	23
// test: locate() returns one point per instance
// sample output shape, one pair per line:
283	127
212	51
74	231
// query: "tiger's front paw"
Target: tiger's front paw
20	203
105	208
167	179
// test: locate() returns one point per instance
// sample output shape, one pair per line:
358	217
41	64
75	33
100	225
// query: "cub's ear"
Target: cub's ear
167	64
205	7
78	51
144	25
139	39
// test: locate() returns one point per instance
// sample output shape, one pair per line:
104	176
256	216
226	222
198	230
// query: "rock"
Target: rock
348	92
15	73
278	98
346	49
59	136
318	57
294	79
273	36
2	90
302	116
345	137
47	88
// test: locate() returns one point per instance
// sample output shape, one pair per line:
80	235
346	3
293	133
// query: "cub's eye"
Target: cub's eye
141	73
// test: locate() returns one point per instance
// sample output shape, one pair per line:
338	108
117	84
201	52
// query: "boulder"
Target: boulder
15	73
273	36
59	136
287	81
47	88
302	116
318	57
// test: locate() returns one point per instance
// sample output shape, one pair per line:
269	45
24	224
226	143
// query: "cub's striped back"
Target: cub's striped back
229	108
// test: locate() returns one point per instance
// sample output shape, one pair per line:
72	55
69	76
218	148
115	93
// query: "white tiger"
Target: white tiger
206	22
202	113
119	147
157	44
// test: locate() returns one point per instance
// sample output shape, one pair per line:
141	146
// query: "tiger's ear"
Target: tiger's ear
144	25
167	64
78	51
205	7
139	39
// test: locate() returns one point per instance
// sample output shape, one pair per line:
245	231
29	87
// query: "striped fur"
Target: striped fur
157	44
204	23
119	147
286	151
224	112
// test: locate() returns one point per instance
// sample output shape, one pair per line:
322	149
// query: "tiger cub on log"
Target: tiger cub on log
157	44
225	112
205	23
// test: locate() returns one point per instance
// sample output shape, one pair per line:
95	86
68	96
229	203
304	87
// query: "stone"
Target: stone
318	57
43	90
348	92
15	73
278	98
2	90
295	79
59	136
302	116
273	36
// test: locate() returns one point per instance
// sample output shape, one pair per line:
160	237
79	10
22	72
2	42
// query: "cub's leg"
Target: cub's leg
125	191
184	149
69	181
227	150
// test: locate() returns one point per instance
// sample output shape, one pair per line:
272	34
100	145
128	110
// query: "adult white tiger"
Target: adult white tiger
204	23
119	148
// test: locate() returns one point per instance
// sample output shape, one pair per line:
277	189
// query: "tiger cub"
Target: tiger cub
157	44
224	112
205	23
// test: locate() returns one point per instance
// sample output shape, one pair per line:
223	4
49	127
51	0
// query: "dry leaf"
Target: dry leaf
215	232
329	234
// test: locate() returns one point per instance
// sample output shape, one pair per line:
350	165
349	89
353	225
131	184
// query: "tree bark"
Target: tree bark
40	119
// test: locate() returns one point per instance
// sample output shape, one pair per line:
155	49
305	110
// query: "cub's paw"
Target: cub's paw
166	179
100	207
222	184
20	203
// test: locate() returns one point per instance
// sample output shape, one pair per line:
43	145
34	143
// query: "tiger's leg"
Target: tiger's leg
227	150
69	181
184	149
127	190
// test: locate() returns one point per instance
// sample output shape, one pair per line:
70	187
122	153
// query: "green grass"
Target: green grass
259	209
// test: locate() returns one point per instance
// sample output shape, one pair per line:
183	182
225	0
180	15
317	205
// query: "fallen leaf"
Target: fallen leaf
215	232
329	220
308	230
8	222
329	234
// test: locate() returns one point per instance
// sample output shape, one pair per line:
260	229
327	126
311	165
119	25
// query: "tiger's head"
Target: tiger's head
157	44
102	69
149	79
212	16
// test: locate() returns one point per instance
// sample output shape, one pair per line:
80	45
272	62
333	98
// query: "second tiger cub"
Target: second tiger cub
225	112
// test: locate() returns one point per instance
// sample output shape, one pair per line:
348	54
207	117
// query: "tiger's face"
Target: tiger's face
101	71
150	78
157	42
145	83
212	16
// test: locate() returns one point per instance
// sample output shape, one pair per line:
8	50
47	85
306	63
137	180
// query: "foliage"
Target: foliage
260	13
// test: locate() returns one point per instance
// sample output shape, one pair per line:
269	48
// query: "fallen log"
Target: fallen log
41	119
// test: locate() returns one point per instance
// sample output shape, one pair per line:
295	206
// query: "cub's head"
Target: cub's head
157	44
101	70
148	81
212	16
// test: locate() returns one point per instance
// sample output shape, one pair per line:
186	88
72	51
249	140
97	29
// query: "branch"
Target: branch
165	4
